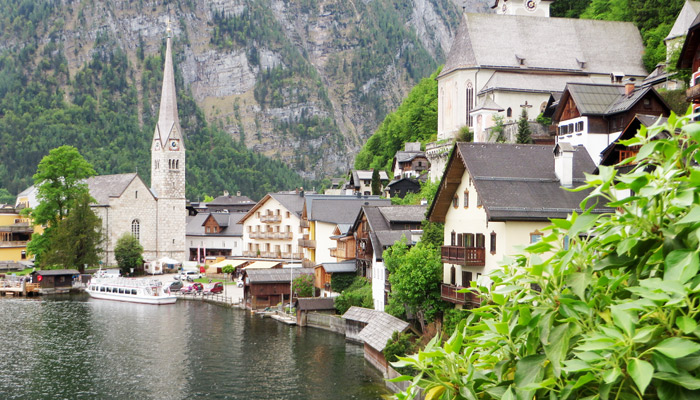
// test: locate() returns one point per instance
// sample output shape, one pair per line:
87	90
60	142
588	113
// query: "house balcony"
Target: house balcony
18	228
334	252
271	254
271	218
256	235
292	256
307	244
250	254
450	294
306	263
464	256
304	223
693	93
13	243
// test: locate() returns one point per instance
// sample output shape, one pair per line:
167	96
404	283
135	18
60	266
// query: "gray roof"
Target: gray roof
532	83
488	104
291	201
231	200
228	221
102	187
406	156
168	125
380	326
54	272
276	275
517	181
339	209
493	41
357	175
601	99
339	267
685	18
315	303
403	213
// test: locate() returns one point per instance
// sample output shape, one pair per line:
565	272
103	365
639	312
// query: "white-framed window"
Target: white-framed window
136	229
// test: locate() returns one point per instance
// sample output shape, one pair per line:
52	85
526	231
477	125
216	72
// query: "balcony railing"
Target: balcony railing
270	218
450	293
307	244
306	263
250	254
304	223
334	252
292	256
693	93
14	243
465	256
256	235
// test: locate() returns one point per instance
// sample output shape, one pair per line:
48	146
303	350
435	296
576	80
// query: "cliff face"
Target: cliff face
303	81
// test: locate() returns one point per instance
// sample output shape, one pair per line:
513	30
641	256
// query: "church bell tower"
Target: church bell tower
168	168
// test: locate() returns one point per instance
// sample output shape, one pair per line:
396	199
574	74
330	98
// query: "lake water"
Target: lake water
80	348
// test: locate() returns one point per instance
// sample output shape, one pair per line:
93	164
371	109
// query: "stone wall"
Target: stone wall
333	323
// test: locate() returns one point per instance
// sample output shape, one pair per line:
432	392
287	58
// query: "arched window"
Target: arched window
509	112
453	276
136	229
470	102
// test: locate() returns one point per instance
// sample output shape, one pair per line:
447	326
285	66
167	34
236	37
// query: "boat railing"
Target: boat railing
127	282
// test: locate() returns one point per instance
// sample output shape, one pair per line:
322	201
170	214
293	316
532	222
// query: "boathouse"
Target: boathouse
306	305
372	328
269	287
55	279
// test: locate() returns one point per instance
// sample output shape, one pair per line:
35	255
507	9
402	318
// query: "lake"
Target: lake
73	347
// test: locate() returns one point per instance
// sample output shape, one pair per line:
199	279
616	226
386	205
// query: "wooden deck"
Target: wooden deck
16	288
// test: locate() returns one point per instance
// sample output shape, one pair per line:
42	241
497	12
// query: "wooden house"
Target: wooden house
373	329
55	279
323	274
269	287
616	151
306	305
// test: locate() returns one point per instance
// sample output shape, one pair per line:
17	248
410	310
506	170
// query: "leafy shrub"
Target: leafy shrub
340	282
615	315
358	294
399	345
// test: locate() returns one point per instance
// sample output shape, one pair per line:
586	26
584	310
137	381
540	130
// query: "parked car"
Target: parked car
193	288
218	287
190	276
174	286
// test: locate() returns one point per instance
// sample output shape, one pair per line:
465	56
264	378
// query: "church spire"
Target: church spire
168	126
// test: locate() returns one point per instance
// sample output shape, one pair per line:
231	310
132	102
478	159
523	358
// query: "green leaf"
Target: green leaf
558	347
644	334
693	216
686	324
676	347
683	378
624	319
583	223
508	395
584	380
528	370
578	282
681	265
641	372
611	375
402	378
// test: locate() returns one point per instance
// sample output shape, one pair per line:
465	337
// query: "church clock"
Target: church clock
174	145
530	5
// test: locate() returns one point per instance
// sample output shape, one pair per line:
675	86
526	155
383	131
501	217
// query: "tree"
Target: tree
128	253
415	277
75	241
524	132
6	197
229	270
60	180
376	183
604	307
498	130
303	286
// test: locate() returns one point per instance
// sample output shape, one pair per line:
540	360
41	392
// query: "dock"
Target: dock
19	288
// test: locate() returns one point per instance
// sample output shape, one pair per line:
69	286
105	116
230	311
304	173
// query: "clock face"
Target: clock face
157	146
174	145
530	5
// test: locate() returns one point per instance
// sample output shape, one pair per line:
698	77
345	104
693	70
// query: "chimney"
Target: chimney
238	193
629	86
301	192
564	163
226	193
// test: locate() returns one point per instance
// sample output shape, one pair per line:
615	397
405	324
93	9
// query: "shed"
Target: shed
305	305
372	328
55	278
268	287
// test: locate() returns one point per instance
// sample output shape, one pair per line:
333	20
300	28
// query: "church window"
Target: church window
136	194
136	229
466	199
470	101
455	201
509	112
493	242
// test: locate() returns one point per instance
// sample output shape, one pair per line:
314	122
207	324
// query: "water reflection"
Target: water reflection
79	348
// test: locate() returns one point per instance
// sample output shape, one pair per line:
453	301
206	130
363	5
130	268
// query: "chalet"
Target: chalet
594	115
306	305
360	181
494	198
215	234
376	229
269	287
497	57
323	274
321	214
402	186
345	243
616	151
373	329
272	228
411	162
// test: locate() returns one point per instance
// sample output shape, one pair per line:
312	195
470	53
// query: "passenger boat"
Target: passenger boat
148	291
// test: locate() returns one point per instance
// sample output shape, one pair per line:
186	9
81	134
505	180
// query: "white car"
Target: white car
190	275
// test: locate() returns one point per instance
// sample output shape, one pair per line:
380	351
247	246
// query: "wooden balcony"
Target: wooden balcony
693	93
271	218
250	254
334	252
307	244
465	256
306	263
292	256
304	223
255	235
450	294
14	243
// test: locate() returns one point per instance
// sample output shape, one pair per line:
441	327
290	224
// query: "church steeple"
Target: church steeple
168	126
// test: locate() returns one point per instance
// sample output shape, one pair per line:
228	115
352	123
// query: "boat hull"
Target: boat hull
157	300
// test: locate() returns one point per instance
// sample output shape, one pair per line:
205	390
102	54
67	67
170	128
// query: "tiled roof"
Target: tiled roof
339	267
315	303
403	213
501	41
685	19
228	221
406	156
339	209
530	82
53	272
601	99
291	201
380	326
230	200
102	187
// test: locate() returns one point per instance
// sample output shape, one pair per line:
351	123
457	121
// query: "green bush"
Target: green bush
358	294
340	282
400	345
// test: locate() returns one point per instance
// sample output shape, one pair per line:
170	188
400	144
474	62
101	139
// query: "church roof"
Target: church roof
514	81
685	19
102	187
547	44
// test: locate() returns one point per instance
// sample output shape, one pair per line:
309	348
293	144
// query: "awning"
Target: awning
233	263
263	265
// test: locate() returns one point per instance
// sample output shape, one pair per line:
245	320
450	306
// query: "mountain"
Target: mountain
302	82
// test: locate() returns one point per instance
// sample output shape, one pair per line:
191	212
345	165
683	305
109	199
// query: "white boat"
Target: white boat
148	291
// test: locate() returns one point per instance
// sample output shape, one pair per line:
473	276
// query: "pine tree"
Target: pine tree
524	132
376	184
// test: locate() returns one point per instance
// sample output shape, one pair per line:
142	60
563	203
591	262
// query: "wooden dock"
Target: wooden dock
18	288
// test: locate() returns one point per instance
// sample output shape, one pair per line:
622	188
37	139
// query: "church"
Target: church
156	216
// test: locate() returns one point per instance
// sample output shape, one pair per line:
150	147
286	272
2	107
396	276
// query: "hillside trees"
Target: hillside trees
613	315
414	121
